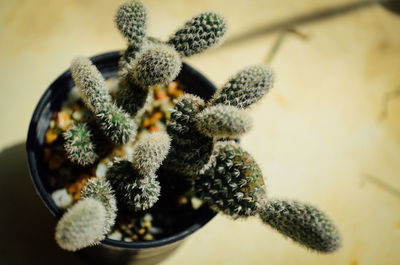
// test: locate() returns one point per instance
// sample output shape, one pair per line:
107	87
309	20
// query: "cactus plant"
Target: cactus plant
136	181
303	223
82	225
114	121
198	34
199	142
79	145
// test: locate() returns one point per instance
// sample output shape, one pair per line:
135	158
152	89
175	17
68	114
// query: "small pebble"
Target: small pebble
196	203
148	217
141	231
182	200
63	120
148	237
153	129
101	170
116	235
77	115
147	224
62	198
51	136
155	230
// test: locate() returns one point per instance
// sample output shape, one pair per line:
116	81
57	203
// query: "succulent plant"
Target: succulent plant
100	189
115	122
136	182
199	142
79	144
198	34
82	225
245	88
223	121
195	126
232	183
136	192
303	223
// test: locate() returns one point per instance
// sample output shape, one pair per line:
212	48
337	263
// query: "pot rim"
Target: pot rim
33	144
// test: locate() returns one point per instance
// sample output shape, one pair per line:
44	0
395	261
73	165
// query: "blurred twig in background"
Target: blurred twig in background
381	184
302	19
389	96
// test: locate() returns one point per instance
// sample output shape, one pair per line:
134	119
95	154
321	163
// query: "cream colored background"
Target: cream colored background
317	134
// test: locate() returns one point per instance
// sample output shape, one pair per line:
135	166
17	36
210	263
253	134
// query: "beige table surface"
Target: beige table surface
328	132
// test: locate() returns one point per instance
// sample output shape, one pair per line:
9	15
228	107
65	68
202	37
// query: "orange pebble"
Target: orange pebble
146	123
50	136
172	87
155	117
153	129
63	120
76	187
161	95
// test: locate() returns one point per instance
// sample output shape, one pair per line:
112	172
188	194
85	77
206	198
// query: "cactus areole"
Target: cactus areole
52	100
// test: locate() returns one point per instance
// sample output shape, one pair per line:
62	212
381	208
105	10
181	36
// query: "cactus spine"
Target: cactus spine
136	182
232	182
246	88
100	190
79	145
115	123
82	225
200	33
190	150
303	223
223	121
135	192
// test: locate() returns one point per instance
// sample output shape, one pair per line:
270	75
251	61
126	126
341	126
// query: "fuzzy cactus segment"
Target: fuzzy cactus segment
82	225
245	88
79	144
198	34
150	151
190	150
114	122
100	189
131	20
134	192
232	182
156	64
303	223
223	121
90	82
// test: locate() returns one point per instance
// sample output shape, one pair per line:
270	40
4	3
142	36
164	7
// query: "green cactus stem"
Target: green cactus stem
223	121
82	225
190	150
303	223
156	64
100	189
245	88
133	191
131	20
79	144
200	33
114	122
150	151
232	182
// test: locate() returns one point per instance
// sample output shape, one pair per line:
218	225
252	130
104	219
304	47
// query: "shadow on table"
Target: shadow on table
26	226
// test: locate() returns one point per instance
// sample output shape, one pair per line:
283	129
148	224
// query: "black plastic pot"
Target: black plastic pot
109	251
